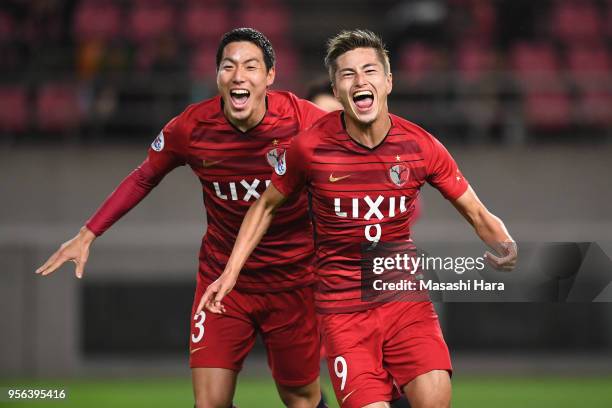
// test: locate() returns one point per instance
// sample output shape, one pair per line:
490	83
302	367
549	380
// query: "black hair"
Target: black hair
251	35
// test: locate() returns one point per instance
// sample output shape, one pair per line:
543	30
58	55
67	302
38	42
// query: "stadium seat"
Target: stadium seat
13	109
533	59
149	20
576	21
203	63
96	20
589	65
483	20
273	21
200	22
416	60
594	58
287	63
595	107
263	3
473	61
57	107
548	110
547	103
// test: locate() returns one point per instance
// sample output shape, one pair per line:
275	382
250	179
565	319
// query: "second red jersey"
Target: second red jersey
361	195
234	169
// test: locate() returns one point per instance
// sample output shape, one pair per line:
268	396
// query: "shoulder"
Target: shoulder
202	111
287	103
208	110
324	129
425	140
281	98
283	103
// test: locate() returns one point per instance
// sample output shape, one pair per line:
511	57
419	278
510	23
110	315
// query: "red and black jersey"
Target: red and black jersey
361	195
234	169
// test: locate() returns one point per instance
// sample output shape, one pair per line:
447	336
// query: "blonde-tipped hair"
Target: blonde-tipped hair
348	40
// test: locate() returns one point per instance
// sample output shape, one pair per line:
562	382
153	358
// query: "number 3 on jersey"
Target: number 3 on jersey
199	325
341	370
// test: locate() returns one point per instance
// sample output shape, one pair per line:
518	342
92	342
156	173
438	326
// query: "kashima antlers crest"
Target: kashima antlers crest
399	174
276	159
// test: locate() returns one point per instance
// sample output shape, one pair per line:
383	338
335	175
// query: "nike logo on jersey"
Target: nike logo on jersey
346	396
207	163
197	349
333	179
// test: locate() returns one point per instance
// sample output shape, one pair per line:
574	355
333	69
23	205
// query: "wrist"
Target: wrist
231	272
87	235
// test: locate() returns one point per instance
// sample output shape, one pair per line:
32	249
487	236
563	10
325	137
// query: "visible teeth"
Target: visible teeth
240	92
362	93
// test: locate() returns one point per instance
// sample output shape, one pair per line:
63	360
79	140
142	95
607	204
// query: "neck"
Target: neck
248	123
370	134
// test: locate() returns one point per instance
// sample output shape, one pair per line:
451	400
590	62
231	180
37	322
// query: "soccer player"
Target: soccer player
363	168
321	93
231	142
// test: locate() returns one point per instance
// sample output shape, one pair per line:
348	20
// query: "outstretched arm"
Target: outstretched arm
252	230
490	229
165	154
126	196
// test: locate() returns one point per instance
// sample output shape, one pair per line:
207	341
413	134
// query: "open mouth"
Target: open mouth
363	99
239	97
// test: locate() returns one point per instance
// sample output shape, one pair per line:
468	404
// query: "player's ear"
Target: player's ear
389	82
270	76
335	91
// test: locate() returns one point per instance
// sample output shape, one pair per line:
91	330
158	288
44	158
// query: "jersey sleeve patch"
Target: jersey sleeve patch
158	143
276	159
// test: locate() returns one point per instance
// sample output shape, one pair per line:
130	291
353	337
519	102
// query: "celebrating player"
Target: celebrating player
231	142
363	168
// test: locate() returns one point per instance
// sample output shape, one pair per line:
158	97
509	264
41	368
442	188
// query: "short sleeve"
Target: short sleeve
291	172
169	148
443	172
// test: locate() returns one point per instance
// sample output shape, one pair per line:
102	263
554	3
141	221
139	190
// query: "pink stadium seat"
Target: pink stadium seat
57	107
589	59
203	64
13	109
474	61
589	66
273	21
482	19
547	111
576	21
534	58
200	22
416	60
96	20
546	100
262	3
287	64
149	20
595	107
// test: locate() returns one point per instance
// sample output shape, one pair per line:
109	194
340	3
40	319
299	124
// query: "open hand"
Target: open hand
75	250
